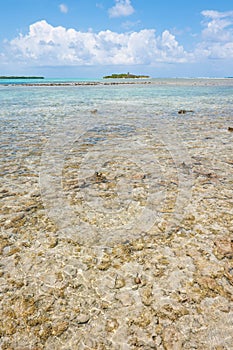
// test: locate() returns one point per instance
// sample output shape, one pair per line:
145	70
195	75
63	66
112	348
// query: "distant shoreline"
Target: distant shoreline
126	76
19	77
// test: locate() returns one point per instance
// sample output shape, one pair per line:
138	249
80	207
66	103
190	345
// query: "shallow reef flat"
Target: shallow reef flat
117	219
119	81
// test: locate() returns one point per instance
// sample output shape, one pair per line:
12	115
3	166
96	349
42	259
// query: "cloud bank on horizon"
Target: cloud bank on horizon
48	45
60	46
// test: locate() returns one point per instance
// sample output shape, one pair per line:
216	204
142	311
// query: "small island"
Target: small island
18	77
126	76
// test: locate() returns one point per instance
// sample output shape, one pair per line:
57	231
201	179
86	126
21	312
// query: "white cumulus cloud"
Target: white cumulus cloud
217	35
216	14
45	44
121	8
63	8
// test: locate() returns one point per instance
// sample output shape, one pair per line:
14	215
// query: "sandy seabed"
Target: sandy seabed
169	286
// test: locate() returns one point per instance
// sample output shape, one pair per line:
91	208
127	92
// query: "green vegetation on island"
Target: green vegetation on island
126	76
18	77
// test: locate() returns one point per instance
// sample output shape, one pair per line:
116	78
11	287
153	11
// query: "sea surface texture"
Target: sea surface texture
116	215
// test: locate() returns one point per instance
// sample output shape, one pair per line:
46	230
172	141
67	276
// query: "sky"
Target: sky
92	38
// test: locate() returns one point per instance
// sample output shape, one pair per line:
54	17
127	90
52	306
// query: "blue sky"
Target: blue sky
91	38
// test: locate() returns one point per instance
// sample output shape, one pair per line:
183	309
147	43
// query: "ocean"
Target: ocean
116	214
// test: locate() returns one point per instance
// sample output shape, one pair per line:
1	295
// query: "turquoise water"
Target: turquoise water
45	80
34	112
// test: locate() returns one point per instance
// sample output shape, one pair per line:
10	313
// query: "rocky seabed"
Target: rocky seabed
162	289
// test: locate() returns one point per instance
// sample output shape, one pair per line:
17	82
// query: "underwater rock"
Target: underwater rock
224	248
229	274
184	111
53	242
83	318
111	325
94	111
59	328
104	264
172	339
119	282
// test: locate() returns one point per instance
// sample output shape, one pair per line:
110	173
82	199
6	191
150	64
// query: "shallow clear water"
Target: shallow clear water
121	123
105	185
